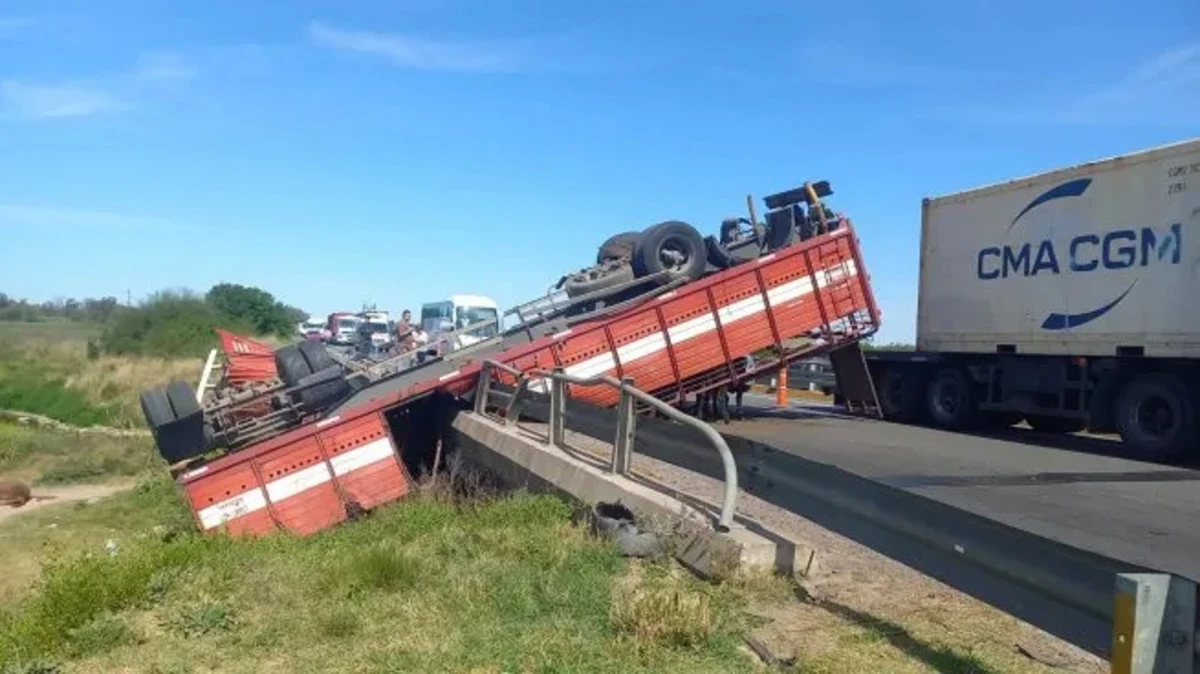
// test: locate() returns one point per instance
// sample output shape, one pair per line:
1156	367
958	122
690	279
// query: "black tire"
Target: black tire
323	389
317	356
671	245
156	407
618	247
183	399
950	400
901	392
1060	425
595	279
1156	416
290	365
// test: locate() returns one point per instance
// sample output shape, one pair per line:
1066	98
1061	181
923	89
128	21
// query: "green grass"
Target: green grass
503	584
47	457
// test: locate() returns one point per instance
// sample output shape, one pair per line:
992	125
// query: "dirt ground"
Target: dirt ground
47	496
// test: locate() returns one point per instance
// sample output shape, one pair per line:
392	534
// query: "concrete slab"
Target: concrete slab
520	459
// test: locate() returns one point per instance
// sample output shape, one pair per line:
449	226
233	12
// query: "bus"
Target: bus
447	318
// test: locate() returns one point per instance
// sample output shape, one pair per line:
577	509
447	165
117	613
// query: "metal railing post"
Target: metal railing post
482	387
516	402
626	430
626	423
558	408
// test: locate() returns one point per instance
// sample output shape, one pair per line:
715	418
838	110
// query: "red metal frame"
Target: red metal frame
664	344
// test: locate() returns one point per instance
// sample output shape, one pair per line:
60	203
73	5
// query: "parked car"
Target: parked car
374	338
813	374
313	330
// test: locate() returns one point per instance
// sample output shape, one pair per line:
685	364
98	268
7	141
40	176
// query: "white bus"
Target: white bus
448	318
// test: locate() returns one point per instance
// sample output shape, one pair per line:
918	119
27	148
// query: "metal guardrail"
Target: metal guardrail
1141	620
626	421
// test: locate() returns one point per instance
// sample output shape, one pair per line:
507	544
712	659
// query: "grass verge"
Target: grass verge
503	584
48	457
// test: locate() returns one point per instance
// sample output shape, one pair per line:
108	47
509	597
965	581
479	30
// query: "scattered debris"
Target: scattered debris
616	522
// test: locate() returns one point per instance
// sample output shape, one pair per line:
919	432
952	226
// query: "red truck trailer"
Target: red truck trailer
790	287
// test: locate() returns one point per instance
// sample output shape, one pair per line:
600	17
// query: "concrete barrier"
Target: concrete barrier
520	459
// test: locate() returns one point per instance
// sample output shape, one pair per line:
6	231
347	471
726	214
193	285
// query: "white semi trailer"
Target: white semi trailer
1068	299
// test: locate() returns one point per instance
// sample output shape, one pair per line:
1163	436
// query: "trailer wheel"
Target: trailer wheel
951	400
900	392
595	279
1048	424
671	245
618	247
317	356
183	399
1156	416
156	407
290	363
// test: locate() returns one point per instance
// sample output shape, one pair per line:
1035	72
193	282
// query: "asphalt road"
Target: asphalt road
1076	490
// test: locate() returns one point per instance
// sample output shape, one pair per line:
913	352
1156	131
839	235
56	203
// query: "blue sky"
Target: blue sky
395	151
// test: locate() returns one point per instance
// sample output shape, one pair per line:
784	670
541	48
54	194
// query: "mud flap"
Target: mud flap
855	386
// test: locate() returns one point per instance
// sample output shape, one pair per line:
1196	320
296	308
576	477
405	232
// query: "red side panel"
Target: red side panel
248	359
365	461
300	488
232	500
303	486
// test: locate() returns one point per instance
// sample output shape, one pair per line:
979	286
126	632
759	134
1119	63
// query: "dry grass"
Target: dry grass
51	374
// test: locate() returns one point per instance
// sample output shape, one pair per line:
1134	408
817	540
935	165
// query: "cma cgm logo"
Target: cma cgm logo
1093	252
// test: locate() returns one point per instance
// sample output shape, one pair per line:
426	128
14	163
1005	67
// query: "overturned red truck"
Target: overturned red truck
318	440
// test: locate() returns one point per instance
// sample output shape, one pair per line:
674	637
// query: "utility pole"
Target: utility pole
128	297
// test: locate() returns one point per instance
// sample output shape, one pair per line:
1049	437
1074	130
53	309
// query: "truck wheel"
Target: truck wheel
1062	425
1156	416
323	389
290	364
595	279
671	245
951	400
156	407
317	356
900	392
183	399
618	247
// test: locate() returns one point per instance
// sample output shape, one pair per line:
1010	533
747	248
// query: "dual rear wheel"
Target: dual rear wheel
1155	412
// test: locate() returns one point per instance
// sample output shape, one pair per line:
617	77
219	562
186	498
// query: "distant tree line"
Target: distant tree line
71	309
169	323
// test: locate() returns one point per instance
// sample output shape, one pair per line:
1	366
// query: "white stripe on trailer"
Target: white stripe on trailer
232	508
285	487
299	481
361	457
700	325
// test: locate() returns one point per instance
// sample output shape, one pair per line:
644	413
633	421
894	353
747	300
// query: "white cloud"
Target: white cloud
32	216
1162	90
412	52
48	101
25	215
